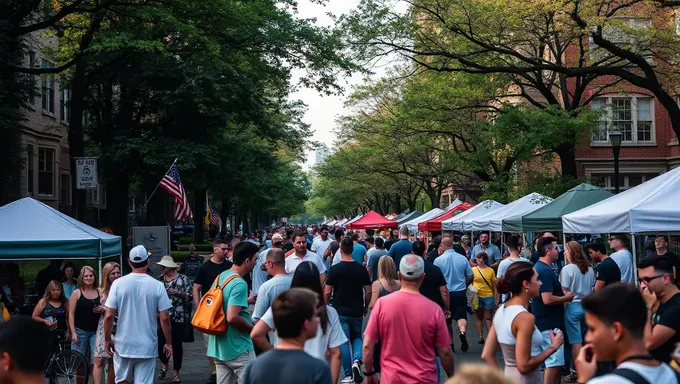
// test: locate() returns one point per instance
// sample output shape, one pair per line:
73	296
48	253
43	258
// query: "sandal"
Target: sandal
176	379
162	373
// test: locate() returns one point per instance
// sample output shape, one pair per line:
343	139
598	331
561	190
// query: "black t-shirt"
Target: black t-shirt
675	260
433	280
348	279
208	272
668	315
608	271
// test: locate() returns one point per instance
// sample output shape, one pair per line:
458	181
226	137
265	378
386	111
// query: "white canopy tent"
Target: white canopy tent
485	207
341	222
493	221
412	225
650	207
453	204
332	222
353	220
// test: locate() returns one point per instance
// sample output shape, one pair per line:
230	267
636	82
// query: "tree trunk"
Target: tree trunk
199	215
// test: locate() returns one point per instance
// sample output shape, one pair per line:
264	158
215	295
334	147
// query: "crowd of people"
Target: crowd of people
321	305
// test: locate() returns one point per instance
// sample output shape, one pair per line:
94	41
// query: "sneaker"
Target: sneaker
356	372
572	378
347	379
212	379
464	344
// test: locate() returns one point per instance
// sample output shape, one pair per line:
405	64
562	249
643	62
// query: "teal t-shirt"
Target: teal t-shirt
234	342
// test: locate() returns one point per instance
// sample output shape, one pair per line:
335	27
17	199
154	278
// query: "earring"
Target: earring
526	290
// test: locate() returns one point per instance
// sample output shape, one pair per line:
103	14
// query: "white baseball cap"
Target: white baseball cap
138	254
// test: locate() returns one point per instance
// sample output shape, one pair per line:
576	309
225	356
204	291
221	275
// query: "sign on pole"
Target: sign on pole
86	173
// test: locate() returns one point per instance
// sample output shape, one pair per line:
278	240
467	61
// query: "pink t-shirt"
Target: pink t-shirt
409	327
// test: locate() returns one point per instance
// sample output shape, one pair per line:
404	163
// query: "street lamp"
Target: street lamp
616	137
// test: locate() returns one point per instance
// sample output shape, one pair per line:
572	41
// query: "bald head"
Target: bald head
276	256
403	232
447	242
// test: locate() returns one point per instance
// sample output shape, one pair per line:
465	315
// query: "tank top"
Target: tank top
57	313
383	291
84	317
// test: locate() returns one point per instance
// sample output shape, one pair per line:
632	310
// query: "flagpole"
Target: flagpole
159	182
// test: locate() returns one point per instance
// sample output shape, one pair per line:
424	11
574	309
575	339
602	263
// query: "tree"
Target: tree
556	54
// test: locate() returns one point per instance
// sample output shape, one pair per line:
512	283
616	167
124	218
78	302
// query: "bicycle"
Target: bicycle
66	366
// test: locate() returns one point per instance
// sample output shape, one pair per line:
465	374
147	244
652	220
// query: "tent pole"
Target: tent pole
100	259
632	243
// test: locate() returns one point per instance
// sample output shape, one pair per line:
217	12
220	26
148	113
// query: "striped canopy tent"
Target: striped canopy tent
435	224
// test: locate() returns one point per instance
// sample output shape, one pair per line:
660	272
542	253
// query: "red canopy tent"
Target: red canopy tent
435	224
373	220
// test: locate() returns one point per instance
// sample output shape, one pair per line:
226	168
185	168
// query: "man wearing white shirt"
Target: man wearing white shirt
322	242
622	257
302	254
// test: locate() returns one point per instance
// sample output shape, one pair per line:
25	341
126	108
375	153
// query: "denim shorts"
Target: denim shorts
486	302
557	358
85	346
575	322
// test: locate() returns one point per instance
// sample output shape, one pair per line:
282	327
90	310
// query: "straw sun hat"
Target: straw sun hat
168	262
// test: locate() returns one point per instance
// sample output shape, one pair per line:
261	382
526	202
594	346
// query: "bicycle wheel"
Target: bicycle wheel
69	367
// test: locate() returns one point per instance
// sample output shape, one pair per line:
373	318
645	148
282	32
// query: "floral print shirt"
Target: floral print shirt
181	310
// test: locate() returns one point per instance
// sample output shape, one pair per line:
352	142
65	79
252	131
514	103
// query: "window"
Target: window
626	181
31	78
65	105
65	191
45	171
631	115
48	89
31	167
627	33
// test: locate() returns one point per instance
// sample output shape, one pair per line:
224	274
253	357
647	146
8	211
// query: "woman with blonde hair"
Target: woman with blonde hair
387	283
52	309
85	309
110	272
577	277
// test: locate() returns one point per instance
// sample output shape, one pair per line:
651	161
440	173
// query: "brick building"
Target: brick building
46	173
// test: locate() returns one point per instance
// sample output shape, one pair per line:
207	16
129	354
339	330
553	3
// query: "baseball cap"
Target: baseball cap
138	254
277	238
411	267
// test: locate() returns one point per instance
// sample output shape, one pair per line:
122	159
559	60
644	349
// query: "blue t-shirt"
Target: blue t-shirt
400	249
455	268
358	253
548	316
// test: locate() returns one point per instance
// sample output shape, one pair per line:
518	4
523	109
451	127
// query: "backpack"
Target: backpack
210	317
635	377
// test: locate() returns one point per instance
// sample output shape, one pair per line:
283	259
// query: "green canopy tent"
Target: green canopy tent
549	216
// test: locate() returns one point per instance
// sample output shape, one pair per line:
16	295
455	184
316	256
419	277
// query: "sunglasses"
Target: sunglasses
647	280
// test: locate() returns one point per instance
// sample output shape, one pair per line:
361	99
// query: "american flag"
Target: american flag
173	184
215	218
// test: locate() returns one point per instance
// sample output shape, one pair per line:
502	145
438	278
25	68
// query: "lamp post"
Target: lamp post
616	137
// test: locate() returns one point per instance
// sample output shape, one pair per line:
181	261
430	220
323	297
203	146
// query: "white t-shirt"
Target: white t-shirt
661	374
624	259
319	246
319	345
293	261
138	298
260	276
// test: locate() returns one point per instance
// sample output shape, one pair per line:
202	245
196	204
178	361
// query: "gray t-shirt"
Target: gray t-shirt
580	284
286	366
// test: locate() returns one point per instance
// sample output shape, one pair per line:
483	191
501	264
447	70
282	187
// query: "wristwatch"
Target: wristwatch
369	374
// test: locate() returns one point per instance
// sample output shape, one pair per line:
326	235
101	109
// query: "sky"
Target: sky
322	110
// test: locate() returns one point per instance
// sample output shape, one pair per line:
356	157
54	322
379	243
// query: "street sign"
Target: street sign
86	173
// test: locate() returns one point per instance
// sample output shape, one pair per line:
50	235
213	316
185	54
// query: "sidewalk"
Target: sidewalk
195	367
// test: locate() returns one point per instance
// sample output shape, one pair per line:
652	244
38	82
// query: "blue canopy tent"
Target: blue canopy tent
32	230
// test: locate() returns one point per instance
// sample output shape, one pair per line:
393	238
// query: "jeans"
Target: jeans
85	344
351	326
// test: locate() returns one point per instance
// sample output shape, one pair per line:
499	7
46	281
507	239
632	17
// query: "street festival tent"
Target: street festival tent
456	223
407	217
435	224
412	224
453	204
391	216
650	207
372	220
32	230
492	221
549	216
341	222
400	216
357	217
332	222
